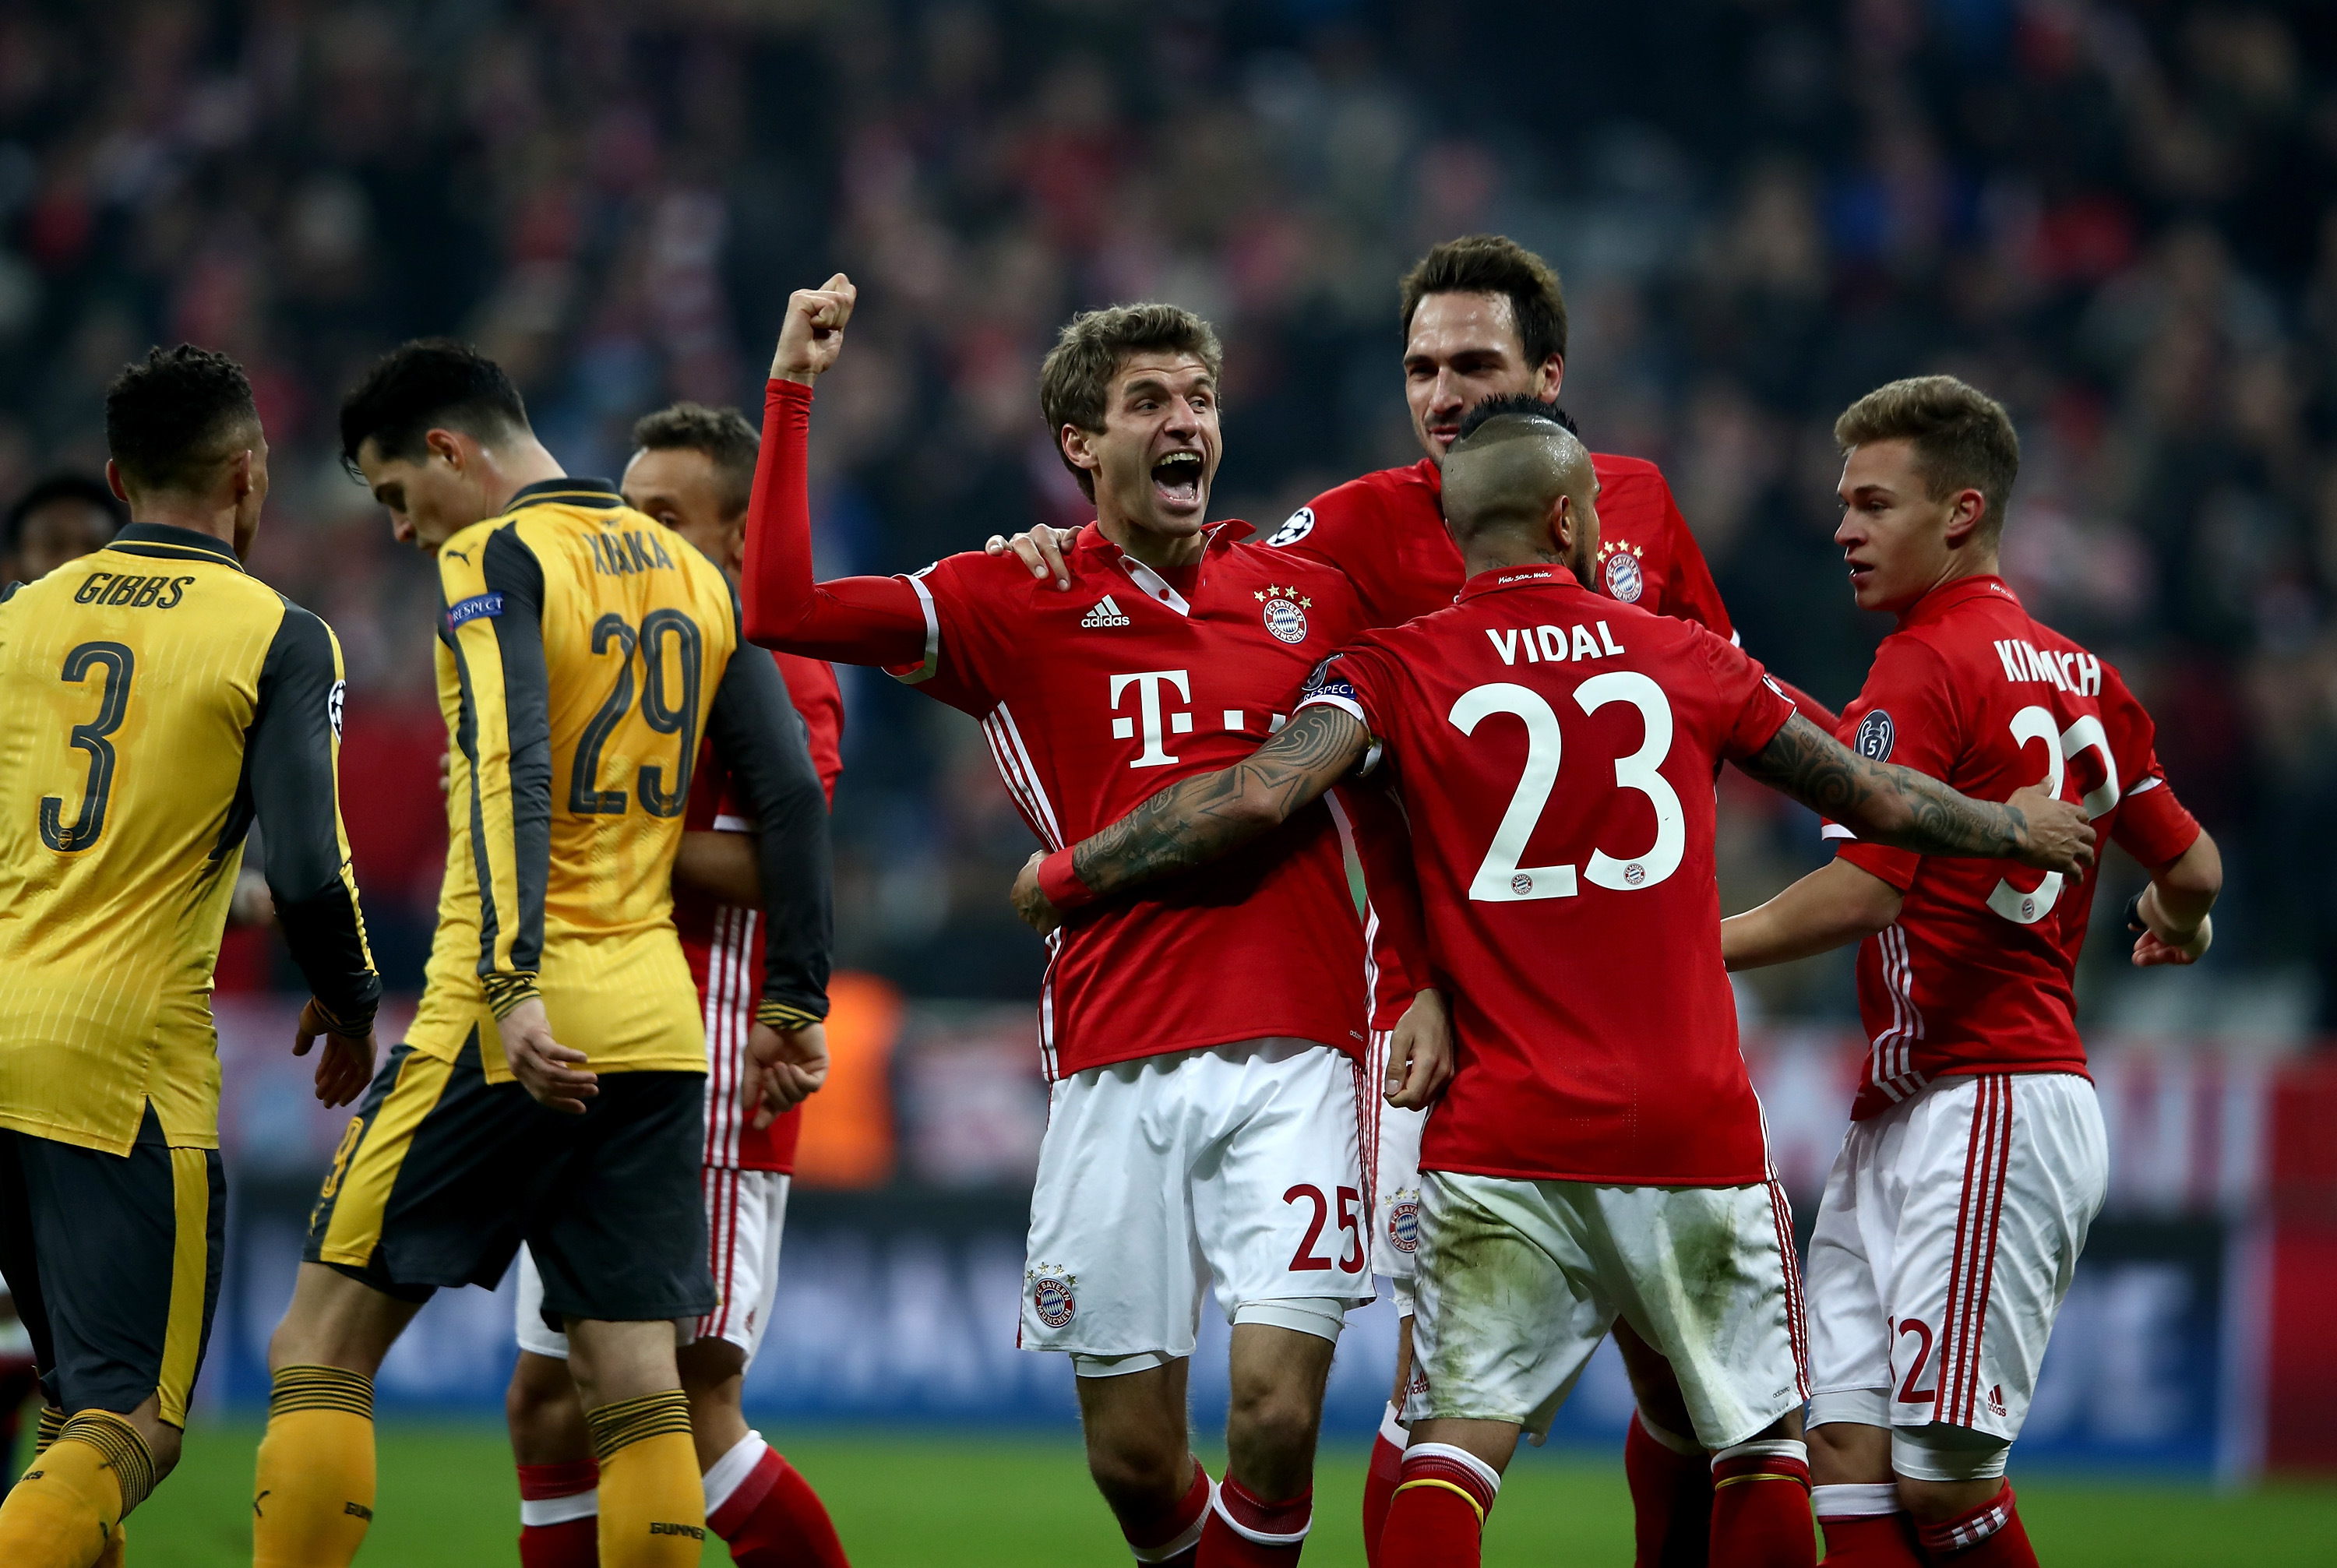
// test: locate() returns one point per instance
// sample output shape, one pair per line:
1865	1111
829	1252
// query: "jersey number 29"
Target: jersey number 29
1500	878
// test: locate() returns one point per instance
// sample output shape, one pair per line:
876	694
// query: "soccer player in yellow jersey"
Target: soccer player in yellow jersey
153	698
550	1089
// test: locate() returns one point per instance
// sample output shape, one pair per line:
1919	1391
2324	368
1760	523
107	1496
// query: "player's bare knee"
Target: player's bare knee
1848	1453
1137	1466
707	1365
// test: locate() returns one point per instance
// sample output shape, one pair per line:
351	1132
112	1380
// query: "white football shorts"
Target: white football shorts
745	1212
1519	1281
1946	1240
1234	1166
1392	1152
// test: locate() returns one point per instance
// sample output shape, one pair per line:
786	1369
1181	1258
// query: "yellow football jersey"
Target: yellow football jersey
581	646
152	698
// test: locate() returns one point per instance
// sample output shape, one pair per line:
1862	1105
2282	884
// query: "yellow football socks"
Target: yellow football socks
652	1501
313	1495
66	1507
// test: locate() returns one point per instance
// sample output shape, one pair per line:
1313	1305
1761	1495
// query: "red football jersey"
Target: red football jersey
724	944
1093	699
1386	532
1976	975
1554	753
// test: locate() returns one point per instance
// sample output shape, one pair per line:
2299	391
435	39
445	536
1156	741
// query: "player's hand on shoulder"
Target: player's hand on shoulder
1037	910
1420	1053
2057	836
813	333
1041	549
552	1072
346	1067
793	1063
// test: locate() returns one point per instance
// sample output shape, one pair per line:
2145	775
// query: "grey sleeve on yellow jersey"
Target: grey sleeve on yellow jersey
292	781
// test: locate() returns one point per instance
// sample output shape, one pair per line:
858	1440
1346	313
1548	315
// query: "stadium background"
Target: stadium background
2120	219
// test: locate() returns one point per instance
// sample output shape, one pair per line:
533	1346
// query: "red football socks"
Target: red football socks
1761	1506
1174	1542
1379	1482
1671	1496
1245	1532
1988	1536
560	1516
1438	1518
767	1513
1866	1527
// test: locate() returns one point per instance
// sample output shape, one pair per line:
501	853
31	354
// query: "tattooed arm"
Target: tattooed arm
1197	819
1886	804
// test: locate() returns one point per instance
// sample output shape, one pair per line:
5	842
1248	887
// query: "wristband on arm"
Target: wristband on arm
1061	885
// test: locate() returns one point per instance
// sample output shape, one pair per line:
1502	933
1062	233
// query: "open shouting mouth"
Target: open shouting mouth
1177	478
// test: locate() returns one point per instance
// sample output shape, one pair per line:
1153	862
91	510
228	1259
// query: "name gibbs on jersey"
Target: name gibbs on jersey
1154	721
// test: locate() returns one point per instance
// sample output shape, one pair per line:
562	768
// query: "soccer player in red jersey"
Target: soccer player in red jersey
1201	1049
693	469
1483	317
1975	1162
1600	1151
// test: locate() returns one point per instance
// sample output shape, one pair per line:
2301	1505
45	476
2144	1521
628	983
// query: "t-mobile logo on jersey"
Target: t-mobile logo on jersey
1148	685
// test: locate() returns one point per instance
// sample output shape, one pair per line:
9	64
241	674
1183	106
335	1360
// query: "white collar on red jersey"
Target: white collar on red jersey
1159	588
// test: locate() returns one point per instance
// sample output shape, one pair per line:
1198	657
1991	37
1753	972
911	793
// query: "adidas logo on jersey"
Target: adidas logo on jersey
1104	614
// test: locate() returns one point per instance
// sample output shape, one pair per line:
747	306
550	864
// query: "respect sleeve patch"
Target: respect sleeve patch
487	606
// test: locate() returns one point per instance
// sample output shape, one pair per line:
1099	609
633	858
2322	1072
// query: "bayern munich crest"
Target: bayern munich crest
1404	1224
1051	1296
1285	613
1619	565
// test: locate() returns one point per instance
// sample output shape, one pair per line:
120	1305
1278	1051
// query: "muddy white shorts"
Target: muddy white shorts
1234	1166
1946	1240
745	1212
1391	1154
1519	1281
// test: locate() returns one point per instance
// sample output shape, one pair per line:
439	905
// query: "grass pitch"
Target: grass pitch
447	1500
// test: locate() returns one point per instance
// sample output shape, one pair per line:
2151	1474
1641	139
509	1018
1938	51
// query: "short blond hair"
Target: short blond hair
1963	438
1075	380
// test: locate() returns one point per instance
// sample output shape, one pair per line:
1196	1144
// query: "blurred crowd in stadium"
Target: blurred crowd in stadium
2119	219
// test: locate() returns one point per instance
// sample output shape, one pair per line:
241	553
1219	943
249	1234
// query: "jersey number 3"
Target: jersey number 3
1500	880
118	665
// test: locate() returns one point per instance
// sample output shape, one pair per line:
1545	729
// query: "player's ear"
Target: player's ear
1965	512
1550	377
447	447
1078	448
113	480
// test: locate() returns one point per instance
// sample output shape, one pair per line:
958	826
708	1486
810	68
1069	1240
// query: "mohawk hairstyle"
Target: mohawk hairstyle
1075	380
1516	405
1963	438
431	381
729	443
1495	264
173	419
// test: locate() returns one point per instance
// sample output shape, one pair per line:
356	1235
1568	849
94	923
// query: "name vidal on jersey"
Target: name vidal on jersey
621	555
2079	674
1550	645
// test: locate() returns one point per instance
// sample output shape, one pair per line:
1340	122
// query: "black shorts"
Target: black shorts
442	1175
115	1262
